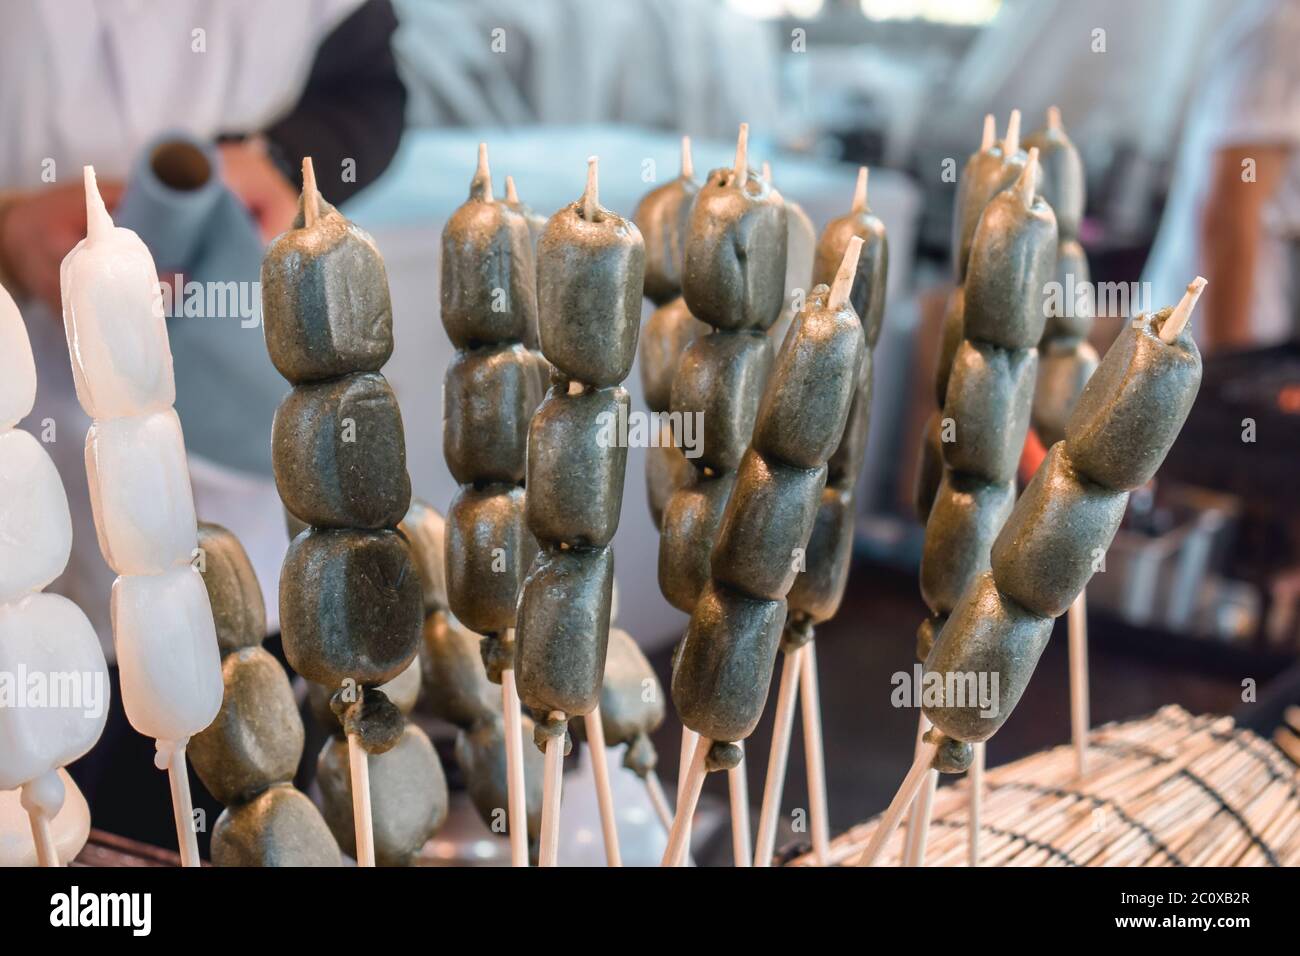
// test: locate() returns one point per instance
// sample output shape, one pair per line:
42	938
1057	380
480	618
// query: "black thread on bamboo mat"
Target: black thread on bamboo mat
1017	837
1203	724
1262	759
1099	802
1204	786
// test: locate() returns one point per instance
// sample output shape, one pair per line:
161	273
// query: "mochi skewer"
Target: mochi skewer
40	634
141	496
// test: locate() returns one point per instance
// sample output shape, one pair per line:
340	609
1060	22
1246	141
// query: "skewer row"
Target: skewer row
351	602
590	277
492	387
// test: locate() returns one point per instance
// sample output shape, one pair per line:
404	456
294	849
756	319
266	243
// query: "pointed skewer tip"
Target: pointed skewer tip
591	195
483	175
310	194
688	164
1182	314
1011	144
848	271
860	191
1054	117
742	155
512	196
990	133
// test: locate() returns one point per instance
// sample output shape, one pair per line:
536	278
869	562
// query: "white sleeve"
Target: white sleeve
1260	101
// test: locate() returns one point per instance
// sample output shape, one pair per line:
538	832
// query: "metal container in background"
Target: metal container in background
1167	561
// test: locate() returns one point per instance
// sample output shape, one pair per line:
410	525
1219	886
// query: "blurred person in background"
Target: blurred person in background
97	82
1233	213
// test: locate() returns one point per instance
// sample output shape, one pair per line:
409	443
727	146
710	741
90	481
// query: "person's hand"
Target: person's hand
39	228
257	182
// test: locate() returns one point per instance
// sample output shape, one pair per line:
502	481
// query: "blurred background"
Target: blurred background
1186	113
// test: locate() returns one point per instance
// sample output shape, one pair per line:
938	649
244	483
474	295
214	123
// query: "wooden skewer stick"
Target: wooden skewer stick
860	191
814	756
913	818
512	194
1077	620
659	800
767	171
310	194
362	817
894	813
47	854
742	155
922	811
516	794
843	283
483	174
1182	311
1054	117
738	789
171	757
693	783
990	133
688	164
976	802
552	791
777	756
1011	142
591	195
604	796
42	798
689	737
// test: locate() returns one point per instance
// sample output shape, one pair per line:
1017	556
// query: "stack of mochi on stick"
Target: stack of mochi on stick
351	602
987	372
741	256
1010	355
590	273
1122	426
725	663
733	280
140	495
45	819
738	608
491	389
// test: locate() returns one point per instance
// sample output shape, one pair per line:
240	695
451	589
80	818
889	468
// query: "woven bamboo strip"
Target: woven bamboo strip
1166	790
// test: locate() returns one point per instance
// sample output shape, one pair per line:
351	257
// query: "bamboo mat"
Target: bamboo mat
1167	790
108	849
